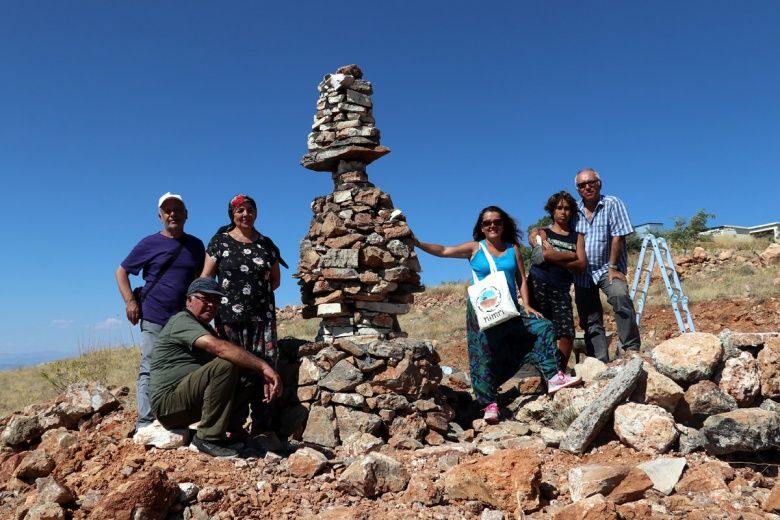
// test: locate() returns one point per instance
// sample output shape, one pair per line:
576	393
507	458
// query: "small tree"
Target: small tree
539	224
686	231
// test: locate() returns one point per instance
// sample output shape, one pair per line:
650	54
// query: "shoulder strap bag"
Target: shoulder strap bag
490	297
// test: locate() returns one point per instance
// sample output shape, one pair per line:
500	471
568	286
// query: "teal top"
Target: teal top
507	263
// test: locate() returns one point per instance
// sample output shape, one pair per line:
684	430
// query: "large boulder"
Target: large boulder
771	255
655	388
374	474
701	401
589	423
769	366
741	379
147	494
688	358
645	427
746	429
507	480
592	479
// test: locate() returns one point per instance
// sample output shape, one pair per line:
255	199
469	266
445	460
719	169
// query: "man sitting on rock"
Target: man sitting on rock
197	377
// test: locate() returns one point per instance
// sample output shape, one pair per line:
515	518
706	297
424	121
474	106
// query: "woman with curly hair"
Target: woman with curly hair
495	354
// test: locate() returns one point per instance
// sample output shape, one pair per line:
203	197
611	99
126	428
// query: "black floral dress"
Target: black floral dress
247	315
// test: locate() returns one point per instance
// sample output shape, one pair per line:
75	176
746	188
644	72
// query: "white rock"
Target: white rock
158	436
664	472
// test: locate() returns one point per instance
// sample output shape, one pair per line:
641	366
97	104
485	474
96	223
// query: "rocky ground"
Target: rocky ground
687	429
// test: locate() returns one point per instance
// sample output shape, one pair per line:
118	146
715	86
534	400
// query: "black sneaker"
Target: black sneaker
212	448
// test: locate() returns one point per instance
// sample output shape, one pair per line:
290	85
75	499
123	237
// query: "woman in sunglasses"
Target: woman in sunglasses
246	264
497	353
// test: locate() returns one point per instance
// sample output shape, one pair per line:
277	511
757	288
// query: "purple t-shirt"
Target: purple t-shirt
168	296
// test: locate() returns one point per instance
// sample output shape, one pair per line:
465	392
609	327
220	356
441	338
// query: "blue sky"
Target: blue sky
106	105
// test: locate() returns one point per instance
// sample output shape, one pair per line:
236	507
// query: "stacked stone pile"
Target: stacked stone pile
357	268
351	394
694	392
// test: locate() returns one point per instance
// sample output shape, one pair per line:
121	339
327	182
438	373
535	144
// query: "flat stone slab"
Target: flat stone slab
664	472
327	160
589	423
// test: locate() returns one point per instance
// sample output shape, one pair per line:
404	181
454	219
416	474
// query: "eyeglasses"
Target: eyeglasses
495	222
212	300
583	184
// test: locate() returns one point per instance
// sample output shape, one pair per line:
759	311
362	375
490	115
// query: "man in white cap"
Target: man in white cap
169	261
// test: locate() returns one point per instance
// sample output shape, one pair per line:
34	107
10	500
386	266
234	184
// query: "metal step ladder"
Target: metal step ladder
661	254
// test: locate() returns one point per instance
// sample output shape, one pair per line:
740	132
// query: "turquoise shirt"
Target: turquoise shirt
506	263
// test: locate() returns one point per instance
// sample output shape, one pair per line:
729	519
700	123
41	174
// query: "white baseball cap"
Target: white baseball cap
169	195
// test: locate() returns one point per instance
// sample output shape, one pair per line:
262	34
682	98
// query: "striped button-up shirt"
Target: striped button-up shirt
610	219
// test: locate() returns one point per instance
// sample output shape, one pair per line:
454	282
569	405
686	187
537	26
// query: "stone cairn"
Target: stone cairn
362	382
357	270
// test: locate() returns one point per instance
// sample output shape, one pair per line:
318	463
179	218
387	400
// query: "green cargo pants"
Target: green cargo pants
215	394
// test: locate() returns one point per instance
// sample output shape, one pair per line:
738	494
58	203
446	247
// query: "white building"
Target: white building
770	230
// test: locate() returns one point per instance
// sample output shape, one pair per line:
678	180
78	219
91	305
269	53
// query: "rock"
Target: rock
589	368
45	511
592	479
508	480
187	492
769	366
395	402
306	462
339	258
158	436
664	472
703	400
147	491
741	379
746	429
308	372
359	444
343	377
209	494
688	358
706	478
50	490
655	388
591	508
320	427
353	400
89	398
491	514
645	427
771	255
423	490
407	427
373	475
354	421
770	405
772	504
37	463
631	488
690	439
588	424
21	429
404	378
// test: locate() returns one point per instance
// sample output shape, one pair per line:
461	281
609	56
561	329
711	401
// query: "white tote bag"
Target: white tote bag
490	297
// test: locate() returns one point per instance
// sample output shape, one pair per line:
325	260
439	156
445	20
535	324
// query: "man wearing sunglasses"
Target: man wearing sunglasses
604	221
197	377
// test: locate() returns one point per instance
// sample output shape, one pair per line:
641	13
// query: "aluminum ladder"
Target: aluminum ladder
661	254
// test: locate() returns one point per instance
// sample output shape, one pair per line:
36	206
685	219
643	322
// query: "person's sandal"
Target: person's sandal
491	413
561	380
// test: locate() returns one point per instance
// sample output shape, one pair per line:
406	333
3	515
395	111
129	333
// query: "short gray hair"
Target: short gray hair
595	173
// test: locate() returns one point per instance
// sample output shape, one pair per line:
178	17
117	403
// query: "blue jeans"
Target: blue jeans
591	316
149	333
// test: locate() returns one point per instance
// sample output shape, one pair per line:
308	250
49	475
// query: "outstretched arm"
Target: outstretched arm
464	250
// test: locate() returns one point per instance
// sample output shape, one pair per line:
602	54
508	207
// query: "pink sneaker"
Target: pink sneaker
561	380
491	413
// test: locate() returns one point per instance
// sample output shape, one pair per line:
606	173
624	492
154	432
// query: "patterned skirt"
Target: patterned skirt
495	355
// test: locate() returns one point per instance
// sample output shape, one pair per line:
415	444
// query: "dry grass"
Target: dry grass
299	328
23	386
737	243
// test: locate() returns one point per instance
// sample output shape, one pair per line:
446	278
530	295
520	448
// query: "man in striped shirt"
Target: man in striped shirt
603	219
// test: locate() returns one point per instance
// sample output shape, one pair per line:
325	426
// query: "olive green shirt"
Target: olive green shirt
174	355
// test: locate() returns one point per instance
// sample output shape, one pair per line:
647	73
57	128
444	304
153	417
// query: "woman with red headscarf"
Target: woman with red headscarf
246	264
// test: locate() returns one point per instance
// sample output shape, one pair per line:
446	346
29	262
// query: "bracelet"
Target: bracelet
612	266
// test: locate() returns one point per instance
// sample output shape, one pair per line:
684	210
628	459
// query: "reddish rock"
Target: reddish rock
508	480
591	508
703	479
631	488
36	464
423	490
772	504
769	366
147	491
306	462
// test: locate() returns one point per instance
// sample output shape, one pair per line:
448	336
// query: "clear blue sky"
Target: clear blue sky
106	105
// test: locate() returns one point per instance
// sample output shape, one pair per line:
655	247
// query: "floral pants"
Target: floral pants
497	353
